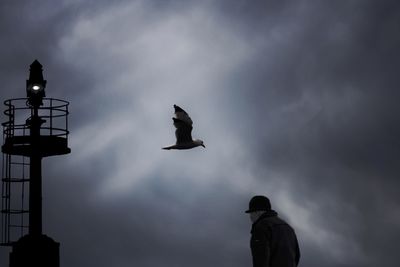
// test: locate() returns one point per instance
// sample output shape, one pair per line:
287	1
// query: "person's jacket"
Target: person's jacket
273	242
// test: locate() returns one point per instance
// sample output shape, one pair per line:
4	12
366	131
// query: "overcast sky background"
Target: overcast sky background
296	100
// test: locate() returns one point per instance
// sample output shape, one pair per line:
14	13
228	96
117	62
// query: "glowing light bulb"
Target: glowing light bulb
36	87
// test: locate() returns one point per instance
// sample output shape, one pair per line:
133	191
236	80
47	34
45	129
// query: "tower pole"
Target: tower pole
35	179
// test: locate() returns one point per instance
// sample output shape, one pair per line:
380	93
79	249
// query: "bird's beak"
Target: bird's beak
203	145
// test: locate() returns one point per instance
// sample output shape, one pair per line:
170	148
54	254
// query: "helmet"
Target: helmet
258	203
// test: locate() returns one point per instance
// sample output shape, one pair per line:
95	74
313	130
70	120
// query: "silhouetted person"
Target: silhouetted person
273	241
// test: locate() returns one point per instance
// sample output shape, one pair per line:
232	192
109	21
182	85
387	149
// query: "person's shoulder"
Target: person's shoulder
279	220
266	221
273	220
262	229
281	224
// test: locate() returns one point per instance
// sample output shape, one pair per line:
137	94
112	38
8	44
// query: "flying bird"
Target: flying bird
183	124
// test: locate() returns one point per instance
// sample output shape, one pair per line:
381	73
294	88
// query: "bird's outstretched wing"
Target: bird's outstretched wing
183	124
183	131
180	114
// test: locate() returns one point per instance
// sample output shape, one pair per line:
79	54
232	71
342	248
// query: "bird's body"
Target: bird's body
183	124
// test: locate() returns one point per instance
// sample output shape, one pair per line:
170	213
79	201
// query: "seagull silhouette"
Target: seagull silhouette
183	124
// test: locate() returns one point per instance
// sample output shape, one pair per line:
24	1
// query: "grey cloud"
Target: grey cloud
304	109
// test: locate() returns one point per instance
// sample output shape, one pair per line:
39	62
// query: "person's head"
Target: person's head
257	206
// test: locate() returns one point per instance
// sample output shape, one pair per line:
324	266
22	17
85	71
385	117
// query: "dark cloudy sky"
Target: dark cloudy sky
296	100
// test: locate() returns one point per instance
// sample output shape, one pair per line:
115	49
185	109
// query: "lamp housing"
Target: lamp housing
35	85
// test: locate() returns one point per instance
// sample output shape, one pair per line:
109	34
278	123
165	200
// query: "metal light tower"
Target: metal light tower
37	127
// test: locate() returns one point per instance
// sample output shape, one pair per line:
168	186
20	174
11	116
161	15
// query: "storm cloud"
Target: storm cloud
296	100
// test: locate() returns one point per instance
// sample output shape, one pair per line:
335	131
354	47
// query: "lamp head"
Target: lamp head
35	84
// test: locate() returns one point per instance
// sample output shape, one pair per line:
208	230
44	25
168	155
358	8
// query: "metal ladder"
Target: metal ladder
15	186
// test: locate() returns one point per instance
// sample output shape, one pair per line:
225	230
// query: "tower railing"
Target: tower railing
17	150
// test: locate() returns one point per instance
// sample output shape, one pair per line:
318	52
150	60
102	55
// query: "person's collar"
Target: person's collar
266	214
